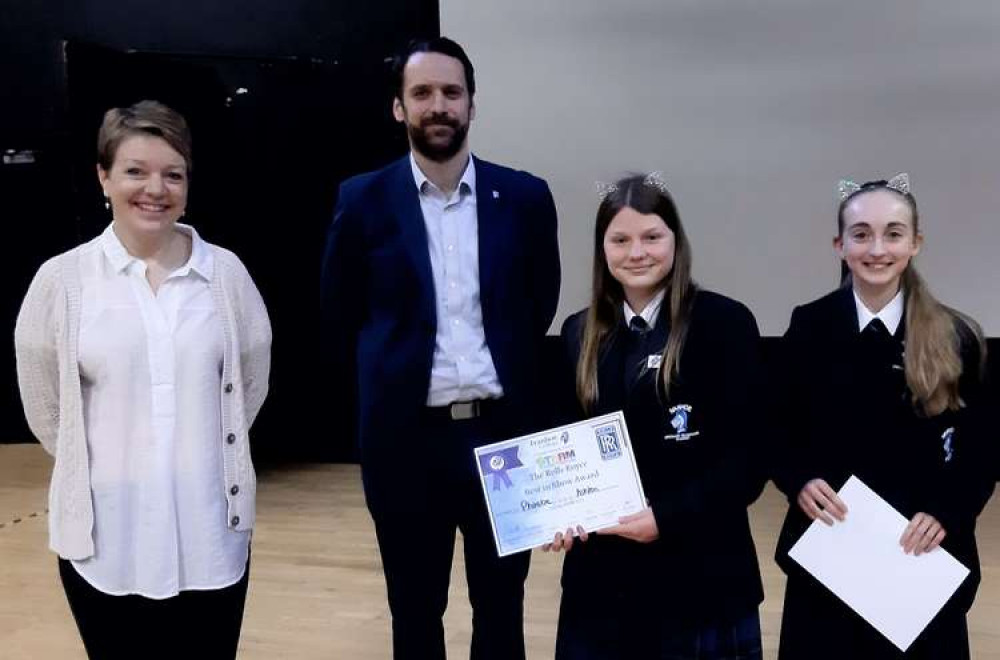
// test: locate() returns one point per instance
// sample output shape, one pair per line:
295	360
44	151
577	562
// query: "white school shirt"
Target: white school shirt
462	368
151	374
890	315
649	313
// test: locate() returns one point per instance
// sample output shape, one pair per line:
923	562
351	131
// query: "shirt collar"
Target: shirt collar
890	315
467	184
114	250
200	261
650	313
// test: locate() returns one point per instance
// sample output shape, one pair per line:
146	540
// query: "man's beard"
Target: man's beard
436	151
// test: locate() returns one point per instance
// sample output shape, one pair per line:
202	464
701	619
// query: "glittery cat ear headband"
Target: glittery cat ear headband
900	183
654	179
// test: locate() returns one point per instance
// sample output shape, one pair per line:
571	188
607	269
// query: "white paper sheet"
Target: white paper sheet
861	561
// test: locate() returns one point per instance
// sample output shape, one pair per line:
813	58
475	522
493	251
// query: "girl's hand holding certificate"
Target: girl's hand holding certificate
580	478
640	527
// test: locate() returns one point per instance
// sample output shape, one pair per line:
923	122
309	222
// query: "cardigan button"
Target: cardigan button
228	388
235	521
234	490
231	438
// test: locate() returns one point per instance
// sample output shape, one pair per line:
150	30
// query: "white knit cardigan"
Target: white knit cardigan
48	374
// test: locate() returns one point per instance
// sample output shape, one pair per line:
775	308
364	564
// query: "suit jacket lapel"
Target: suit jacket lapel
406	207
610	370
492	213
847	362
846	321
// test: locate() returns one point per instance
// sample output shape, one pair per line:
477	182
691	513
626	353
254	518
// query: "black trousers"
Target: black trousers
192	624
816	625
416	537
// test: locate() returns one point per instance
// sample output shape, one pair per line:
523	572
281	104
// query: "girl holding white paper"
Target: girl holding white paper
907	422
679	579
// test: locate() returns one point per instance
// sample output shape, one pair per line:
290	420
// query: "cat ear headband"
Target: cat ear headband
900	183
654	179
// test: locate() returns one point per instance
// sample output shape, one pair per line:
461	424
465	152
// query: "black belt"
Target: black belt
463	410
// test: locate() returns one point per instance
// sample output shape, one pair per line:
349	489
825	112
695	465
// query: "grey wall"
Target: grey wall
753	110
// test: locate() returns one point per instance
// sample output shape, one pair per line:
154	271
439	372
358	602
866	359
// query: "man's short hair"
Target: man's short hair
442	45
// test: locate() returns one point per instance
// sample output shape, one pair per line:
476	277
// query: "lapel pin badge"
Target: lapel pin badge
496	194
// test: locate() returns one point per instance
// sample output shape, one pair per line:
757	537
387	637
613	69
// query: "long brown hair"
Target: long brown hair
934	331
607	296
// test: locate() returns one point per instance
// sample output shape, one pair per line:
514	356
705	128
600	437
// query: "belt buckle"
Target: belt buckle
461	410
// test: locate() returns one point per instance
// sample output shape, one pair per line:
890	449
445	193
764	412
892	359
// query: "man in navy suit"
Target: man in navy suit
440	280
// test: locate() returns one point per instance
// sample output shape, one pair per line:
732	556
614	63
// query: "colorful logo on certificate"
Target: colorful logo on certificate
497	463
559	458
609	442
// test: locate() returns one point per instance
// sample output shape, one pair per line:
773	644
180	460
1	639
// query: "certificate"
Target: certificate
579	474
861	561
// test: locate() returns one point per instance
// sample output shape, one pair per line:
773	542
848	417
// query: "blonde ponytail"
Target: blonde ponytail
933	357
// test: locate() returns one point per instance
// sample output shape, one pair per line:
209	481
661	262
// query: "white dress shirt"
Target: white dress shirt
649	313
463	367
890	315
151	376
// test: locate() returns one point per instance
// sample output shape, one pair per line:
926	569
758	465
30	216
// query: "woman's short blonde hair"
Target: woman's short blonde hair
142	118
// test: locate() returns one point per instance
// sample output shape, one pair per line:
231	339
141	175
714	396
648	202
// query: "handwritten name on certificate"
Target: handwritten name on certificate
539	484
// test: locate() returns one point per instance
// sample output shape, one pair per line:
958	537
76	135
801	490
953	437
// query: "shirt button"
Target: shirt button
231	438
229	388
454	322
235	521
450	248
234	490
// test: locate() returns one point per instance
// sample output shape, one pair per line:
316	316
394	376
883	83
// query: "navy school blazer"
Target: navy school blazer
848	411
699	472
378	314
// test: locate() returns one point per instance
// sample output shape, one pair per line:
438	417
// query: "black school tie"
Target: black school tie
882	347
638	325
876	328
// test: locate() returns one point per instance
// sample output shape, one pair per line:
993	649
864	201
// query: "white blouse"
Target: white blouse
151	373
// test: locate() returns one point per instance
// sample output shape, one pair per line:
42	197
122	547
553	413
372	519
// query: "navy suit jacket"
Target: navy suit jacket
379	314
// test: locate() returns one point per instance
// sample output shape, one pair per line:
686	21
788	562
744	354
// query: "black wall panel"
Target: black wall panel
284	99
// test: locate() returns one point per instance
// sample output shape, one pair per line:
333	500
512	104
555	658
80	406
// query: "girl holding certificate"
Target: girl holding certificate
908	423
680	578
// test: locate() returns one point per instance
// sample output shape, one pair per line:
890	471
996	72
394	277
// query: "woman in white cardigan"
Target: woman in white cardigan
143	358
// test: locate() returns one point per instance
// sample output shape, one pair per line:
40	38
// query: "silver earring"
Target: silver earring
107	203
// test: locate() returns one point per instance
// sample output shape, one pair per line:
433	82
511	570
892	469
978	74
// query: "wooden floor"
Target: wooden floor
316	588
